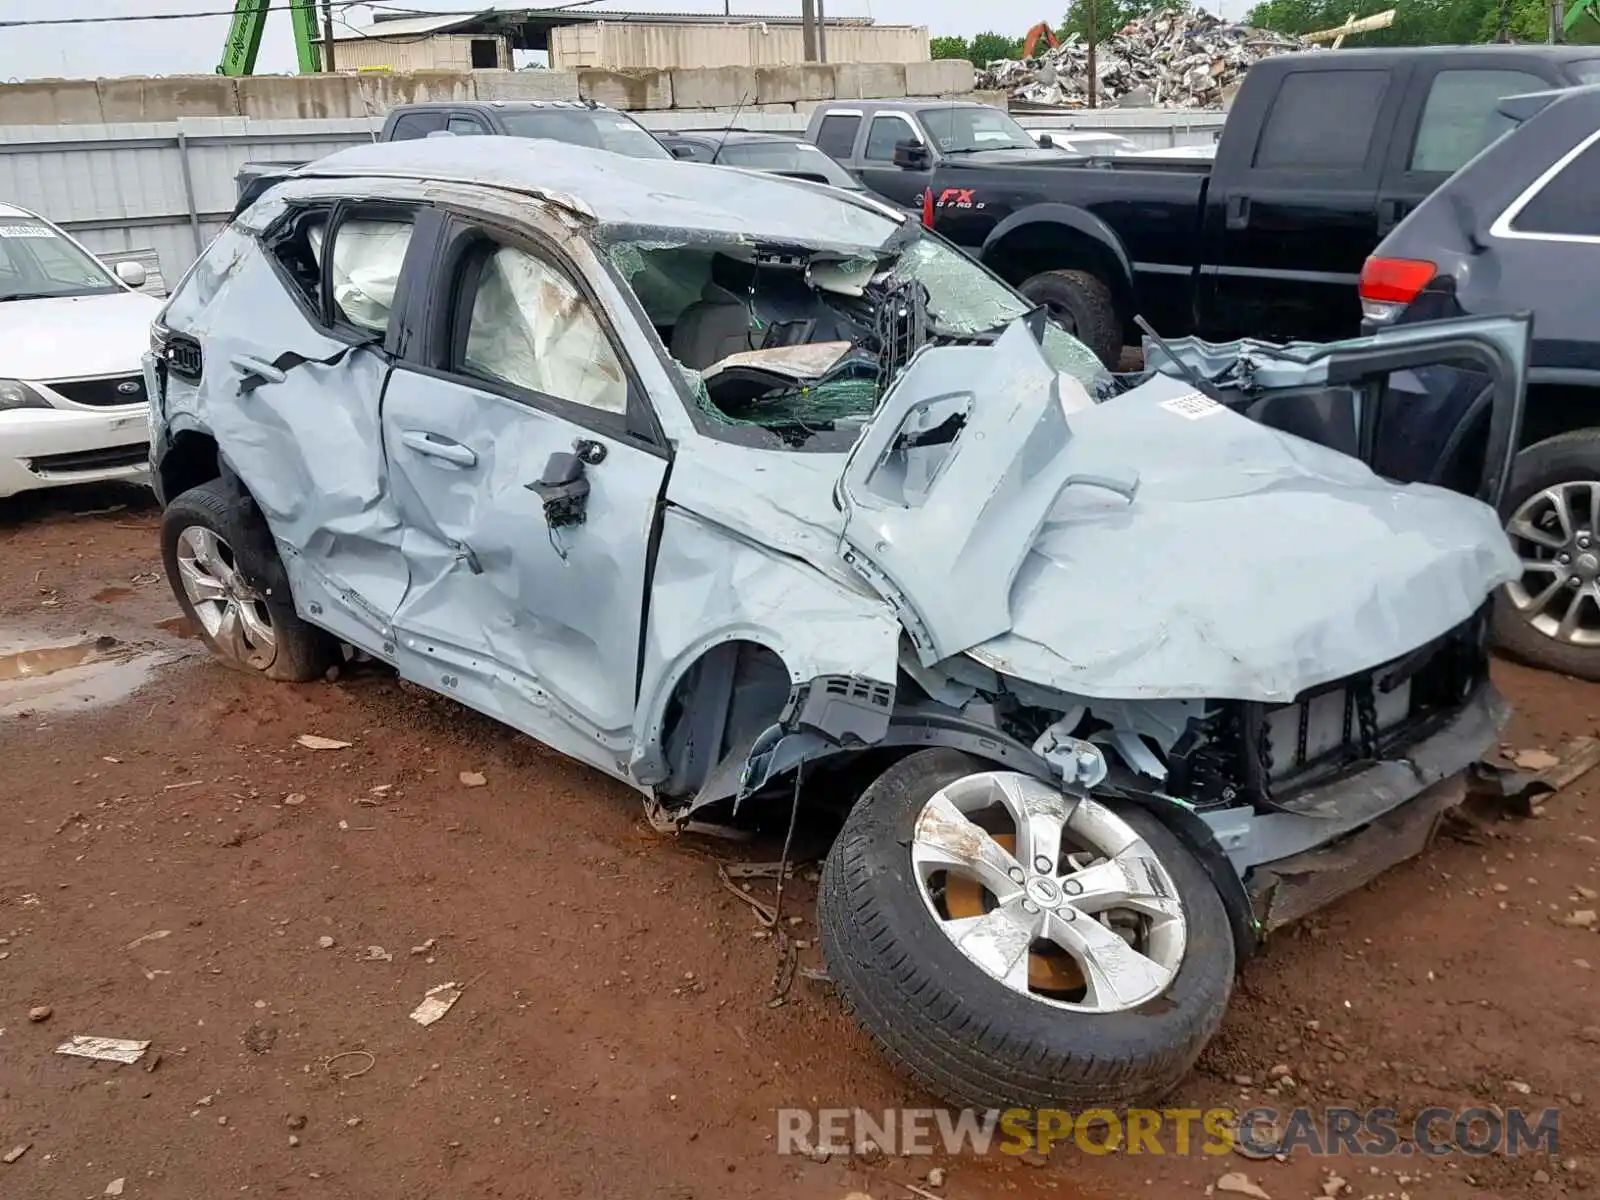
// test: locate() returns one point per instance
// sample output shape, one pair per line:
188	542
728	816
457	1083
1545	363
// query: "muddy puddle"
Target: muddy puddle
178	627
42	676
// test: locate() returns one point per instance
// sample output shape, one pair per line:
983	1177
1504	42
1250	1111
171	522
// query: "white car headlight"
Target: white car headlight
16	394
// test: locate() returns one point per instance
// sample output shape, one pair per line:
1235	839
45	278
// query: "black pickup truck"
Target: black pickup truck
1322	155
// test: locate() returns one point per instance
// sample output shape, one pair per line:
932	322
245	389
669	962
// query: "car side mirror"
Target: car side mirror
563	489
912	155
1046	142
131	273
681	151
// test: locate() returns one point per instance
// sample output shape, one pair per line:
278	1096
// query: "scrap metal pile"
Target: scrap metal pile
1178	58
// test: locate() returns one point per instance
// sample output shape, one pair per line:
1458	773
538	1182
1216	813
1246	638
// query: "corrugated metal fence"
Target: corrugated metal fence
165	186
168	186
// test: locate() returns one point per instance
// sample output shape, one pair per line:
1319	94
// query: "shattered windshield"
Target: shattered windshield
962	130
803	342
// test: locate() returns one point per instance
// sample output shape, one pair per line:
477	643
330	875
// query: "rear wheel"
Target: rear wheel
1081	304
1007	945
225	572
1550	617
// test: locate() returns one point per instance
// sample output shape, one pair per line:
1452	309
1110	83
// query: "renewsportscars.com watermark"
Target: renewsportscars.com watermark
1373	1132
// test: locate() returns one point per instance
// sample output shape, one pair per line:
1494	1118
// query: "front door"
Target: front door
527	475
878	171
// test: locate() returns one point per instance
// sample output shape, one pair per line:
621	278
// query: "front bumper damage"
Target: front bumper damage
1336	836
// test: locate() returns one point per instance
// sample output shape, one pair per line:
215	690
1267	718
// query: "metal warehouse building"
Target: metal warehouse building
613	40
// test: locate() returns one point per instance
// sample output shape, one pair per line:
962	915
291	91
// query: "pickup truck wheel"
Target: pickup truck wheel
1551	616
247	625
1082	305
1006	945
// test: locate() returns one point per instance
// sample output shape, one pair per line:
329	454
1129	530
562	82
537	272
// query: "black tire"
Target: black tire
301	652
1564	458
1082	304
964	1036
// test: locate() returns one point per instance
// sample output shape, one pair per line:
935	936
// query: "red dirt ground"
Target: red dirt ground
615	1037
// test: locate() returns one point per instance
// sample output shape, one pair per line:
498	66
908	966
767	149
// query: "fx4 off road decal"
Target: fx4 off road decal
958	198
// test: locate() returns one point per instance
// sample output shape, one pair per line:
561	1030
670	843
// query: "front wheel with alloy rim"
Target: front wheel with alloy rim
227	577
1009	945
1550	616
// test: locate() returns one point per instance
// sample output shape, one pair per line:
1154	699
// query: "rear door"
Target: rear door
419	124
527	471
1450	113
296	358
836	135
1290	219
465	124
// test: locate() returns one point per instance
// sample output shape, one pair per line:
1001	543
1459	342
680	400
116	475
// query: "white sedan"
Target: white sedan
72	398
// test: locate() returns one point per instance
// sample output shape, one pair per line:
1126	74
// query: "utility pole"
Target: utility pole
1558	21
822	33
1094	78
808	29
327	33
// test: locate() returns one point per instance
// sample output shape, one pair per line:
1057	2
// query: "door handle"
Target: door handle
436	445
1238	212
263	371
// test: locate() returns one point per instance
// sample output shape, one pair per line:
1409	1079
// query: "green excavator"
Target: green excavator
1575	14
250	20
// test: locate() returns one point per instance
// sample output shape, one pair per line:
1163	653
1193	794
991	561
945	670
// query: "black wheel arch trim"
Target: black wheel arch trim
1080	221
1196	836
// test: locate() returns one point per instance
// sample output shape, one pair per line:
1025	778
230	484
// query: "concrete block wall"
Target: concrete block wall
321	97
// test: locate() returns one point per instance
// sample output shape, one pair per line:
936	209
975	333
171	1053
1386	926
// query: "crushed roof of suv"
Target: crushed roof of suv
615	190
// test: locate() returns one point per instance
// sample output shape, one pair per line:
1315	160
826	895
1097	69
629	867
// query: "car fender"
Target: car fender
712	586
1081	221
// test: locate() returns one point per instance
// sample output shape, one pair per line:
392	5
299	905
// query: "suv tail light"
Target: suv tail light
1389	284
927	208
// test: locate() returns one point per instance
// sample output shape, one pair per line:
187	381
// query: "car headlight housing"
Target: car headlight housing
16	394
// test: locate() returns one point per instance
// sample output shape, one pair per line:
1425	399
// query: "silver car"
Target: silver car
751	493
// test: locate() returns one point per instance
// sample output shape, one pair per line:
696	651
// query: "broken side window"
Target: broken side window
296	245
365	271
531	327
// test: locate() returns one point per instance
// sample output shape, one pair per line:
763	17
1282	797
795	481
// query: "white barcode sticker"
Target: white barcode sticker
1193	406
26	231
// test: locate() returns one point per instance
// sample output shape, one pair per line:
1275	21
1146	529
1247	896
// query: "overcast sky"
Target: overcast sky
194	46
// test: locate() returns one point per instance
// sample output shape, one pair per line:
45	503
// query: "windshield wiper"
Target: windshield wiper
34	296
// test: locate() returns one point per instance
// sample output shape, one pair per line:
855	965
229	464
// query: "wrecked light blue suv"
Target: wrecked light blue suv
746	491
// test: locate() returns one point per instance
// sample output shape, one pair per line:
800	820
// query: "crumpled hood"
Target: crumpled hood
73	337
1250	564
1155	545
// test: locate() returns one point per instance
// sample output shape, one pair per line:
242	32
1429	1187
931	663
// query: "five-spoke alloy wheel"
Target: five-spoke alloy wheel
1009	944
1072	908
1550	615
227	577
232	613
